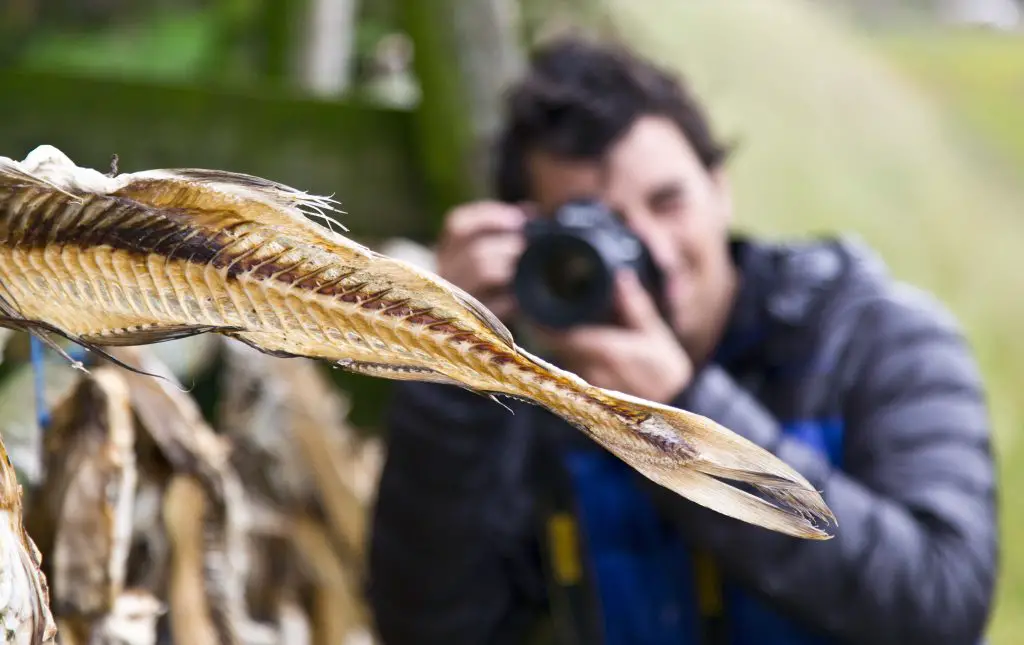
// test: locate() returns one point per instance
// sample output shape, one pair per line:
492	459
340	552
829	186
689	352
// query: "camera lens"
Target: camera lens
562	281
570	277
565	276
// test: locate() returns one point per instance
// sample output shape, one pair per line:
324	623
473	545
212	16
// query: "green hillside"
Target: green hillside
978	74
912	157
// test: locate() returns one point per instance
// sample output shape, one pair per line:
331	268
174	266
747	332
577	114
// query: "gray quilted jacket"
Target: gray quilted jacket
453	554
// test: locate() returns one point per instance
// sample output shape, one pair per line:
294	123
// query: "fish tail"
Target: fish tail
704	462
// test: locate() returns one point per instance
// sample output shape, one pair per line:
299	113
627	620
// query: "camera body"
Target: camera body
566	275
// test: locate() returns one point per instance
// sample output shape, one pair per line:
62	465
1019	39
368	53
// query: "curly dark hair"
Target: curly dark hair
579	96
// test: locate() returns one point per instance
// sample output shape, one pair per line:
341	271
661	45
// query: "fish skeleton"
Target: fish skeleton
107	259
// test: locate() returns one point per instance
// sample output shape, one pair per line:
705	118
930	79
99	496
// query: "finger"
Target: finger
481	263
530	210
495	256
633	303
470	221
487	264
585	341
603	378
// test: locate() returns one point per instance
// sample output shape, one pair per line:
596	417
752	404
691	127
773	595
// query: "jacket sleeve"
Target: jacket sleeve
914	556
446	559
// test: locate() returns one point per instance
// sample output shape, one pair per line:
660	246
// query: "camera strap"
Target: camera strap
574	604
710	599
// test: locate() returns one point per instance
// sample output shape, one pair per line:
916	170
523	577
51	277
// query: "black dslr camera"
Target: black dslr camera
566	275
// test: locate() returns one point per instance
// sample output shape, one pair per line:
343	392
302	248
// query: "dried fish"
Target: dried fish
287	423
19	423
25	617
150	256
295	629
131	621
204	491
338	617
192	619
291	443
82	514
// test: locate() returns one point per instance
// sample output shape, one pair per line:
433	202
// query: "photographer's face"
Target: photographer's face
681	211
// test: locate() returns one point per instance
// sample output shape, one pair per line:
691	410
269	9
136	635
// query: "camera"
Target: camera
566	275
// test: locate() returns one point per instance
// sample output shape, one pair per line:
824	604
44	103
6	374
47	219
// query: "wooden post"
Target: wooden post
465	55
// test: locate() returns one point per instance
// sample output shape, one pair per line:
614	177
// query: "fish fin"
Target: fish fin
43	330
484	315
245	338
699	459
494	397
414	373
215	189
219	189
267	189
155	334
397	372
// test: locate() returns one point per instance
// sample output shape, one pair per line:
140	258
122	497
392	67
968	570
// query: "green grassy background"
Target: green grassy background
912	141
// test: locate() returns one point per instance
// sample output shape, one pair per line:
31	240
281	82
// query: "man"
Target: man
808	349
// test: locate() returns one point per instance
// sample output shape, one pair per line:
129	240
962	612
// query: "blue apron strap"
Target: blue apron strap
752	621
642	573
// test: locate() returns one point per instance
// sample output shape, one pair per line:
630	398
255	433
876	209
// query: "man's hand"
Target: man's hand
642	357
478	250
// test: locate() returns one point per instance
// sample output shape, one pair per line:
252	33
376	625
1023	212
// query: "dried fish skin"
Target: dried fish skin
131	621
295	451
191	616
205	509
292	443
87	498
25	617
143	257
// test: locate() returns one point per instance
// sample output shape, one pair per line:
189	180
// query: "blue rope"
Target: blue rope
42	413
38	358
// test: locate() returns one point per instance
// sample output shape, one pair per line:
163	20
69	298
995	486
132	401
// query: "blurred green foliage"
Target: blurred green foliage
173	45
221	42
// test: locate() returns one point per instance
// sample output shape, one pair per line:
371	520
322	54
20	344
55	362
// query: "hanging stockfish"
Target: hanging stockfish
144	257
25	616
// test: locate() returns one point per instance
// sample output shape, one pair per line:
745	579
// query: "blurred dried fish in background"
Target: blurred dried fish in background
294	449
24	596
81	515
155	526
